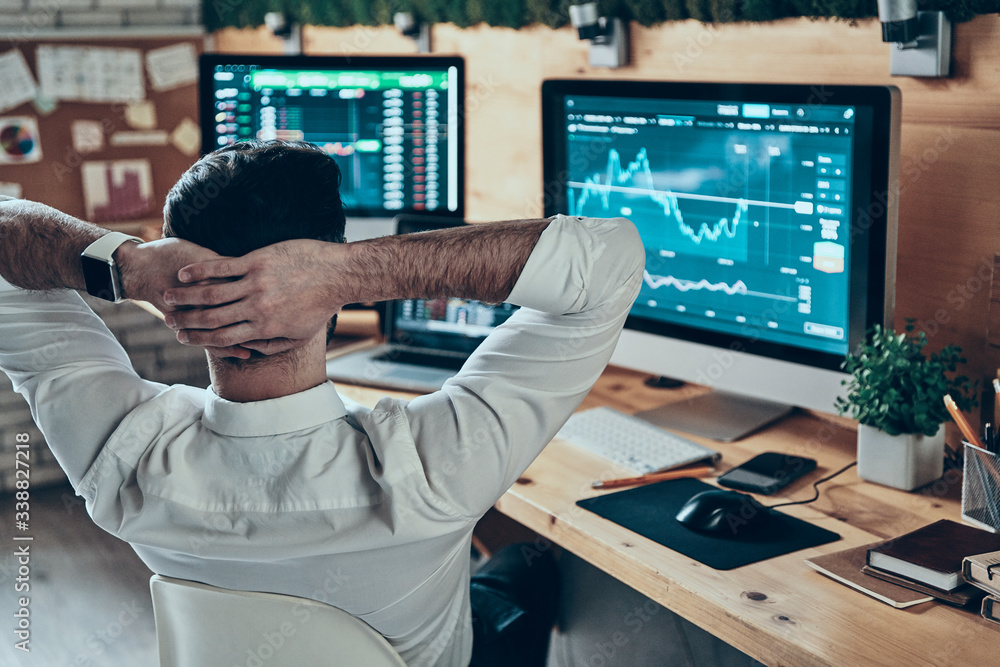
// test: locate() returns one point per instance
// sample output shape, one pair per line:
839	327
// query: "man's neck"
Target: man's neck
285	374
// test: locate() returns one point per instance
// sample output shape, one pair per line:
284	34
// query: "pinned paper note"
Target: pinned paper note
139	138
186	137
90	73
87	135
17	86
10	190
44	105
141	115
19	140
117	190
172	66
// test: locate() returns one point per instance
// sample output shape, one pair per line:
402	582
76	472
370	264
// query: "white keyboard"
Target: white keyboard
631	442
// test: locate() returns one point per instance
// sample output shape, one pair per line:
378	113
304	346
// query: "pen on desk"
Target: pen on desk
996	402
963	424
699	471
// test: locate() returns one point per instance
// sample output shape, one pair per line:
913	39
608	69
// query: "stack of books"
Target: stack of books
929	560
923	565
983	571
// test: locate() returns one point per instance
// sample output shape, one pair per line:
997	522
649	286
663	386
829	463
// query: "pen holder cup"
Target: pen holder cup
981	488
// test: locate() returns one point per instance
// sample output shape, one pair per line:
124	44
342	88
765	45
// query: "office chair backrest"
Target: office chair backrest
202	626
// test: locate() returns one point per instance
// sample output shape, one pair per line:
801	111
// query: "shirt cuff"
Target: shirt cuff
560	272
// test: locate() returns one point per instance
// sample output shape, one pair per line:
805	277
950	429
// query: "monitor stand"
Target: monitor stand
717	415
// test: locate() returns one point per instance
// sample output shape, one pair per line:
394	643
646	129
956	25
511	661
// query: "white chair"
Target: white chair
202	626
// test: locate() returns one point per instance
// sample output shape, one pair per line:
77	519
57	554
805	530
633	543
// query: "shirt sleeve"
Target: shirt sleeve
481	431
74	374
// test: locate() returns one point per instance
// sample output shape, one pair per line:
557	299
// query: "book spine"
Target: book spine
967	570
978	575
991	605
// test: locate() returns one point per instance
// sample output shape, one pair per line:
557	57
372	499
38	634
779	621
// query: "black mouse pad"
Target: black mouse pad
650	511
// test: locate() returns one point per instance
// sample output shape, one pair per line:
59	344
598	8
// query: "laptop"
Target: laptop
426	340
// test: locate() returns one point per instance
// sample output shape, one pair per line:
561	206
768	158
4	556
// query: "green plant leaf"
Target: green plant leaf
894	386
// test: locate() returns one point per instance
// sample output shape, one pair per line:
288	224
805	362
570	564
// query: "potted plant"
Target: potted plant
896	392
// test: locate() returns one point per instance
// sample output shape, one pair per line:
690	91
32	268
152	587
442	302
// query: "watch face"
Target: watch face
98	278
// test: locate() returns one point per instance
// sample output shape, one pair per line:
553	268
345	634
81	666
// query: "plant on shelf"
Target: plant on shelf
896	392
897	388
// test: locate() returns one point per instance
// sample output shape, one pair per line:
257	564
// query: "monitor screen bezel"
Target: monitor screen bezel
869	302
208	61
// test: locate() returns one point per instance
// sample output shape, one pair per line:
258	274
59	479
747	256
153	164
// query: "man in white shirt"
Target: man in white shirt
266	480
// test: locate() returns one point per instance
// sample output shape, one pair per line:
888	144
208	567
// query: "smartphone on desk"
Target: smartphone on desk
767	472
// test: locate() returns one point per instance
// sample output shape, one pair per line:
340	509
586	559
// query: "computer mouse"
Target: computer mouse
725	513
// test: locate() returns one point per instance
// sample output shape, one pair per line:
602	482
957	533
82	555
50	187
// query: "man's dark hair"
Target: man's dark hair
249	195
252	194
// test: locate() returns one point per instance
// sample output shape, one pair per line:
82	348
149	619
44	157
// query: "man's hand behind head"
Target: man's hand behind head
272	299
150	269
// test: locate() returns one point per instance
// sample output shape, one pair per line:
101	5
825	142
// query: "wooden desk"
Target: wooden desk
779	611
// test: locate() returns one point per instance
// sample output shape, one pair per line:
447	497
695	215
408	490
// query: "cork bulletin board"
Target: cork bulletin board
151	135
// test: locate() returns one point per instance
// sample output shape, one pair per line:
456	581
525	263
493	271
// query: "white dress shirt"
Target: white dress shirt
369	510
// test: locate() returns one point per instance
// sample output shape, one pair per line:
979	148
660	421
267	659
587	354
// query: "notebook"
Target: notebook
426	340
933	554
845	566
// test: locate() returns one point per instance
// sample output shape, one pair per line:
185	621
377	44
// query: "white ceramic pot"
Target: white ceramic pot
906	461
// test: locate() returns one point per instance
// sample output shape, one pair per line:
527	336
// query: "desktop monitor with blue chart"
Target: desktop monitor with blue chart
768	217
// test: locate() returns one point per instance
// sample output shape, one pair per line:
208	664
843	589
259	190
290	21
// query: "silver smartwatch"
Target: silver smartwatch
100	273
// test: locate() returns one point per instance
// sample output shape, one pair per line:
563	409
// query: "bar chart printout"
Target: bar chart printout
116	191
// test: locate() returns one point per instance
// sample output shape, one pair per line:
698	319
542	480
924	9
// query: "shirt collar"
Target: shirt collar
275	416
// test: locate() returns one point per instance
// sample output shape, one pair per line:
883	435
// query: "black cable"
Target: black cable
816	487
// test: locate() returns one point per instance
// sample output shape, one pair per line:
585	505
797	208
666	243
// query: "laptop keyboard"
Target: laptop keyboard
422	359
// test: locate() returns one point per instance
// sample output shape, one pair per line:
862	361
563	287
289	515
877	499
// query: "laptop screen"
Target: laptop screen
449	324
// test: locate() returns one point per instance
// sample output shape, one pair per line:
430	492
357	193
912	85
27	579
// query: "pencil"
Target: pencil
699	471
996	402
963	424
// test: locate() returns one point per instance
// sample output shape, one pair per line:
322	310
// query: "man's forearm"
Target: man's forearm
40	247
290	290
481	262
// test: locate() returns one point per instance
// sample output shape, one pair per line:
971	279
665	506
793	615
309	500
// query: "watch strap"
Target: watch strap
100	271
104	247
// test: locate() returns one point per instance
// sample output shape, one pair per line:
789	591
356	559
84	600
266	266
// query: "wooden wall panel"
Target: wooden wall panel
949	205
